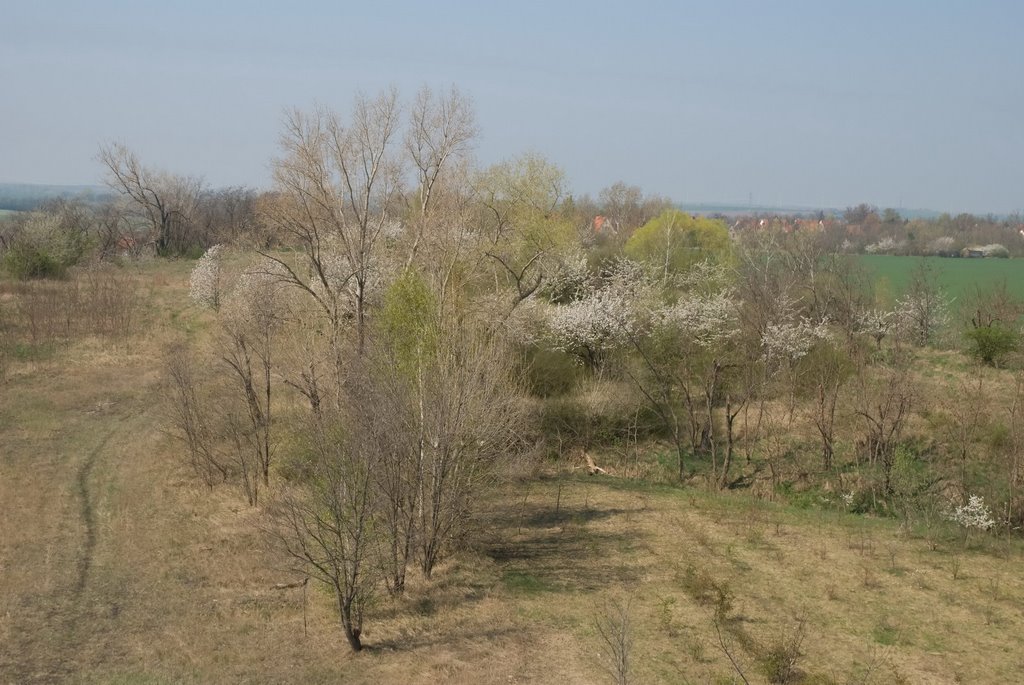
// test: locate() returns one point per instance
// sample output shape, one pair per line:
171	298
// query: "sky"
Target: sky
818	104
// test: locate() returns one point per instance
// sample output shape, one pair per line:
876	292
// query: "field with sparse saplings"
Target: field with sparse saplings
406	420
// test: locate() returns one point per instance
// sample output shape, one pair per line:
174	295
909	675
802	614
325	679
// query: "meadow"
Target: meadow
120	567
958	277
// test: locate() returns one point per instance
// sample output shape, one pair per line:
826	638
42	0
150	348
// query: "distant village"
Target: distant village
866	230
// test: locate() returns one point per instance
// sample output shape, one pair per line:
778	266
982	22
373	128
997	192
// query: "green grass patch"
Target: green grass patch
887	634
958	277
524	583
29	352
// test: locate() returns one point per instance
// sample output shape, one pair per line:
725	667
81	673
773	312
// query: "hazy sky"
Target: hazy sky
913	104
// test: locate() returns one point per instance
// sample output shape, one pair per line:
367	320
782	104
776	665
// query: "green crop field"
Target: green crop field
957	276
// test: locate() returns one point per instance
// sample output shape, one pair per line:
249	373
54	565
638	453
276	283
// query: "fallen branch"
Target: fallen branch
593	468
289	586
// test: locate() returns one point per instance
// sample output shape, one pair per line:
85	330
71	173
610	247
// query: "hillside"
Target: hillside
120	567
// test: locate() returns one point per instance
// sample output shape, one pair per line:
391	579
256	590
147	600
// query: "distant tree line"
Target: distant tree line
20	197
865	229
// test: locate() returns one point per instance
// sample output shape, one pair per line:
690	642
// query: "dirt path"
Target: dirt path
88	514
60	442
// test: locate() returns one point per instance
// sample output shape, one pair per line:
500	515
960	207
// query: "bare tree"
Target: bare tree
884	404
615	628
469	416
228	216
625	208
337	185
191	419
166	203
829	370
968	411
387	422
523	232
848	294
249	321
325	525
1014	451
441	129
993	306
115	233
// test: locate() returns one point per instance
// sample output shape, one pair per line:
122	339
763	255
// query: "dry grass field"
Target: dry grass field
117	566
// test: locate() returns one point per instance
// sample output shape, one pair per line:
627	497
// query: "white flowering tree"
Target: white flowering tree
883	401
605	316
570	279
706	327
886	245
924	310
592	326
706	321
250	309
877	324
207	282
943	245
790	341
682	349
974	515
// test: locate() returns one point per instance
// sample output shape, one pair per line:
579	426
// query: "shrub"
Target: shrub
974	514
26	261
46	245
990	344
779	659
597	413
551	373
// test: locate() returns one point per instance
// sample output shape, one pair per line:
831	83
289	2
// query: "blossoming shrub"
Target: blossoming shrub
974	515
206	285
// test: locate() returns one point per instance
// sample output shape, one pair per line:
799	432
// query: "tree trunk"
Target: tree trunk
680	451
827	451
360	315
730	441
352	631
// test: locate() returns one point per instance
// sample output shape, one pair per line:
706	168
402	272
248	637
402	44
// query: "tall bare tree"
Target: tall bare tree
441	129
522	228
167	203
190	419
338	183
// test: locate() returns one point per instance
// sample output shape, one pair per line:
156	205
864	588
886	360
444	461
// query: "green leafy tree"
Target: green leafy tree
526	236
674	241
408	322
